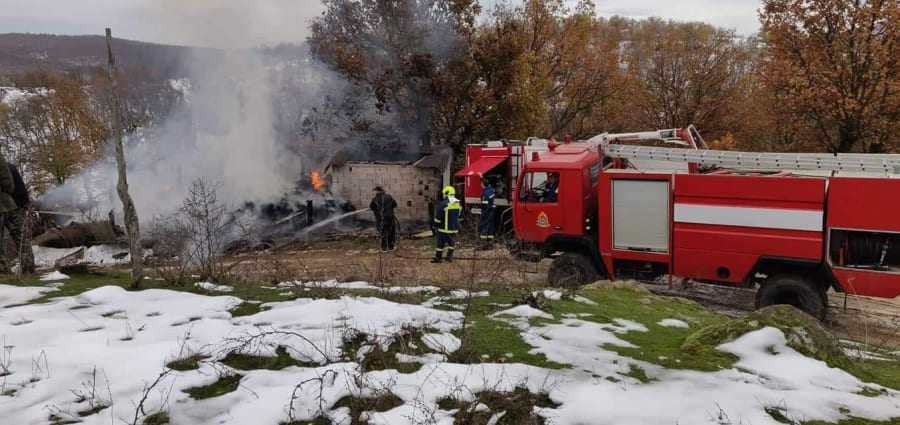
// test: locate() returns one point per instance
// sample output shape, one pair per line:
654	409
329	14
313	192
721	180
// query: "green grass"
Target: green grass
881	372
660	345
80	282
75	285
281	360
488	340
519	406
245	309
224	385
638	373
92	411
188	363
381	403
158	418
378	359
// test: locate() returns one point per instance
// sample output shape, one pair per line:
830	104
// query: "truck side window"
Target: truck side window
540	187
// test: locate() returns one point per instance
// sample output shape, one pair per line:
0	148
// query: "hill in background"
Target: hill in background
20	53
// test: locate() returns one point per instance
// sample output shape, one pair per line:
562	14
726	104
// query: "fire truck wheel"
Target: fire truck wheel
792	290
570	270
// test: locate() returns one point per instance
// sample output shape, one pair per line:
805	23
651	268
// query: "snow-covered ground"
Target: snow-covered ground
104	347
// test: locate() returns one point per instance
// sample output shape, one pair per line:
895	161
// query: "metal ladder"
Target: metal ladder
869	163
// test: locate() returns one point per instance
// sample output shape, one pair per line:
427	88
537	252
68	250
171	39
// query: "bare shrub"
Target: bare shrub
204	219
171	259
192	240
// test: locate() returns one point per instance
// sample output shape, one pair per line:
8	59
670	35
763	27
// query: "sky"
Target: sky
253	22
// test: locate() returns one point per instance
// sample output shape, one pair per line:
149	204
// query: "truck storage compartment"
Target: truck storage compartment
865	250
641	215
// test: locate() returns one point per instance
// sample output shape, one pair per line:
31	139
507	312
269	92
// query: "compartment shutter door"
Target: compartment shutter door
641	215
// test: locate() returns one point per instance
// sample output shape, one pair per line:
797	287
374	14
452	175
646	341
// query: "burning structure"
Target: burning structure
413	179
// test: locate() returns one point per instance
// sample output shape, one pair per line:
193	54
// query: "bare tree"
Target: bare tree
132	225
204	219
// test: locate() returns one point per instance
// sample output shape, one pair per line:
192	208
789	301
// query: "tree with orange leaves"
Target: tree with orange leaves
833	67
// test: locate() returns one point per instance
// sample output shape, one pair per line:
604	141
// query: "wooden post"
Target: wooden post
132	226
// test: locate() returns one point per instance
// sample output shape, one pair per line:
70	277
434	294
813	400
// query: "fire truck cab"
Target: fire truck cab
556	195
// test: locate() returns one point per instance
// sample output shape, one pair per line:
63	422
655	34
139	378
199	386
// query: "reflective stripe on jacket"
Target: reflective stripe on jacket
446	216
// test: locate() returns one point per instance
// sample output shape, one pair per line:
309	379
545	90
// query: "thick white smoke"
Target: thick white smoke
222	131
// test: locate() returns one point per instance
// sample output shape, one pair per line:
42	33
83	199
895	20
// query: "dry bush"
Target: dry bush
170	257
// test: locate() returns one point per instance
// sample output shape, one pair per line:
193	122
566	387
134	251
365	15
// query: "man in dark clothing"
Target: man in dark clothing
383	206
487	223
446	224
14	205
551	189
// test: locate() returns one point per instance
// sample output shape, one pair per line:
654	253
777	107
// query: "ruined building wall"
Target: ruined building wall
412	187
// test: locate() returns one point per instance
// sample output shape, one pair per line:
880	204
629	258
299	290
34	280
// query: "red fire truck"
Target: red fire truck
502	162
791	225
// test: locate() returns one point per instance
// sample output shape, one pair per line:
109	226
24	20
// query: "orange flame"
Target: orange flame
318	182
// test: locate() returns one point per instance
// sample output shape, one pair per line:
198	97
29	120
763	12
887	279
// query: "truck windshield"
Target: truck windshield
540	187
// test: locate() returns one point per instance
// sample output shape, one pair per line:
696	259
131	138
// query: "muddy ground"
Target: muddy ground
872	321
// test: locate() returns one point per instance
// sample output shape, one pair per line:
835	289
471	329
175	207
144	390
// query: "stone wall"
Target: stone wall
412	187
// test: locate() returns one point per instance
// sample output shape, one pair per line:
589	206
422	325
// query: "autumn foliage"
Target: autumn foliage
822	75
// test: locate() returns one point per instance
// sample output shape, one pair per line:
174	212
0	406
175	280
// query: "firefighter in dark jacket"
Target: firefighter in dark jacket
446	225
487	225
14	204
383	206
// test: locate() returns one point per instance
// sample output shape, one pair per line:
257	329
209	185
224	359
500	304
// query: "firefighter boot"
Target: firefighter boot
437	257
449	255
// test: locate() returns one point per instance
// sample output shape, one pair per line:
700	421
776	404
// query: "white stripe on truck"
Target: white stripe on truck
771	218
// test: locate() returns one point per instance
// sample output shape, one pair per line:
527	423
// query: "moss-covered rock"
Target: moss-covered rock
803	333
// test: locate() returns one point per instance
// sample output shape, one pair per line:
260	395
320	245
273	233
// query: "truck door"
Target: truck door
541	214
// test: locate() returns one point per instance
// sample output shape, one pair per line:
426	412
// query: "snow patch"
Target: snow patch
15	295
442	342
209	286
549	294
768	372
583	300
334	284
673	323
525	311
54	276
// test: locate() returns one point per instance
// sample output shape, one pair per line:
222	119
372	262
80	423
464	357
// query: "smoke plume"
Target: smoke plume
223	130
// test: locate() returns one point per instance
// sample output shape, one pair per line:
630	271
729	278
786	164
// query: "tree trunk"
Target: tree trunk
132	226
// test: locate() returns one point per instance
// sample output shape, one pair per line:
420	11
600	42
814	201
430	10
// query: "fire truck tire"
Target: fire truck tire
571	269
792	290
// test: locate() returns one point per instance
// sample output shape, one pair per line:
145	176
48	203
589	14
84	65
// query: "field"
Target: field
447	344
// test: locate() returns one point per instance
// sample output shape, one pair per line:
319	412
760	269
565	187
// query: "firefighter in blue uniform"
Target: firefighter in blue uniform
446	225
487	225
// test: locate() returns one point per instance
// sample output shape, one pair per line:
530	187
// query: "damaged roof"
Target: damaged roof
438	160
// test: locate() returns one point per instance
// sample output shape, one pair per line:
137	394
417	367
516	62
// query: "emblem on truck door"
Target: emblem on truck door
543	220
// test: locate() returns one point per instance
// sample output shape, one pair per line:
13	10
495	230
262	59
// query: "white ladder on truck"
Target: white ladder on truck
869	163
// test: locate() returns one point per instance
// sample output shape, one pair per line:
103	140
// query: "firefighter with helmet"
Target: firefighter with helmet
487	222
446	225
